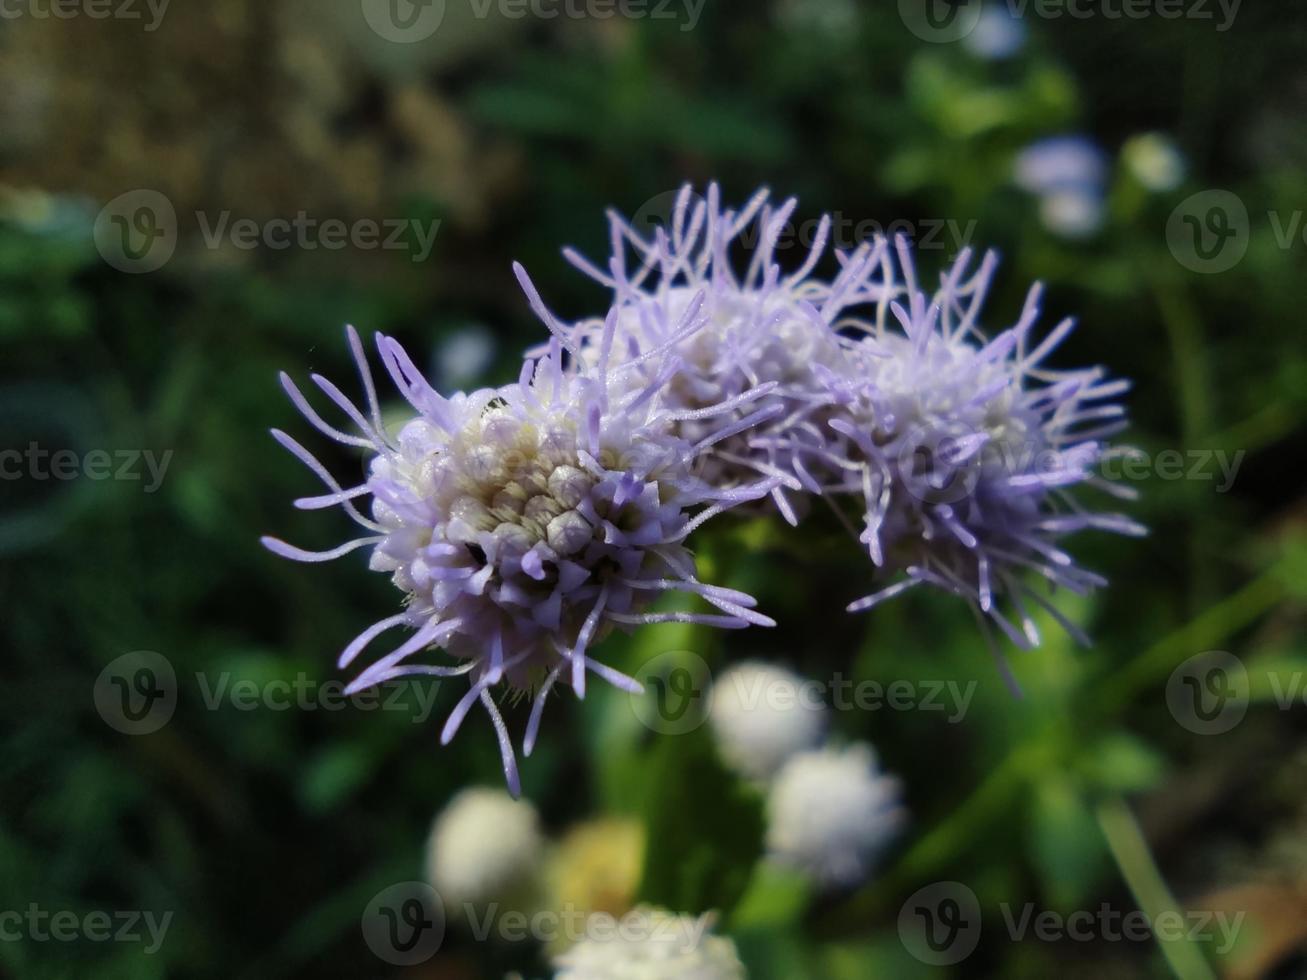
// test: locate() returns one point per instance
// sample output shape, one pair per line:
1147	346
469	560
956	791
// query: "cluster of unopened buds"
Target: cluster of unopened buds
524	523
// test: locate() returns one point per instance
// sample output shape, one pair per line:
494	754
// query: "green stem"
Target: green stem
1213	625
1135	861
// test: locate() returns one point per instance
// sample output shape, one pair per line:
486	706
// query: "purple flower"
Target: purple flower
765	327
524	523
1068	174
970	449
998	34
1061	163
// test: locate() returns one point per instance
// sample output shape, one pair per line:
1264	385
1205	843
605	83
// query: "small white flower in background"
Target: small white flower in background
997	35
484	846
1069	175
650	944
1073	213
831	812
761	716
1155	161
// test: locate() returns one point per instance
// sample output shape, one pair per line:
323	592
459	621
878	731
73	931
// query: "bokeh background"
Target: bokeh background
268	832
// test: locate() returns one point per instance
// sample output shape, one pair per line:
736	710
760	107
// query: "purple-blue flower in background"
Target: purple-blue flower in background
970	447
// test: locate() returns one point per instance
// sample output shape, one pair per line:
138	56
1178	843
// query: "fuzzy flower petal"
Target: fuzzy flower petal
762	715
765	326
831	812
970	448
523	523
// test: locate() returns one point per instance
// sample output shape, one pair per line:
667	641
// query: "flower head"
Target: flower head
650	944
761	718
484	846
970	448
1155	161
764	327
830	812
596	867
998	34
1061	163
523	523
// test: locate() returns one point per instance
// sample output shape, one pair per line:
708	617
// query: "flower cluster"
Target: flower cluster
524	523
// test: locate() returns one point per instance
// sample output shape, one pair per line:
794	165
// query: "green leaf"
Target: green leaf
1067	845
703	827
1122	763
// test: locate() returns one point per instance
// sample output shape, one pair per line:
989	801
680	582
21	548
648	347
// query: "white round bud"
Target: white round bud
762	715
